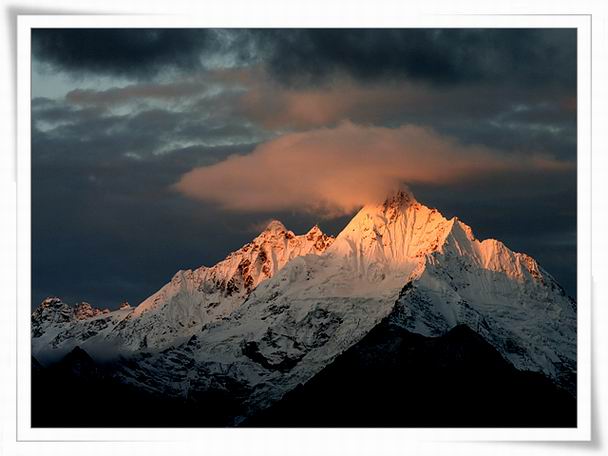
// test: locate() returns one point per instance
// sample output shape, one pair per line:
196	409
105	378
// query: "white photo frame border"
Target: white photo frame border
220	18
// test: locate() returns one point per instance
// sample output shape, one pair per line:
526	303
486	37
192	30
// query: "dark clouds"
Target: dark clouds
106	224
311	56
448	56
124	52
101	203
121	95
520	120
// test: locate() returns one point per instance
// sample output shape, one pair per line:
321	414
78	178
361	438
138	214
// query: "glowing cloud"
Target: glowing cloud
335	171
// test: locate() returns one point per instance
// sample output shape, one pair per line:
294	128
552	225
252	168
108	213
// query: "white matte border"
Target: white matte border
356	439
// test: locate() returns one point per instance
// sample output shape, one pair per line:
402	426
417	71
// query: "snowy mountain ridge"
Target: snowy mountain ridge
190	300
277	311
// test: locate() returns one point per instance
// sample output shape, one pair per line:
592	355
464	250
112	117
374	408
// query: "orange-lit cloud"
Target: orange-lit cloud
334	171
275	107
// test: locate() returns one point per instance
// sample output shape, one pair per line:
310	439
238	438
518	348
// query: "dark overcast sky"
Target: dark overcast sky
120	116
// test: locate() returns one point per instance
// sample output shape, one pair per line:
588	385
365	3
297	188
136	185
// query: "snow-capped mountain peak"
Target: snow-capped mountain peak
398	200
404	259
395	233
274	226
85	310
194	298
315	231
276	311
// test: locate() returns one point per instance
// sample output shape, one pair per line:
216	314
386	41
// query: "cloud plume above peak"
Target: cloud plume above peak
333	171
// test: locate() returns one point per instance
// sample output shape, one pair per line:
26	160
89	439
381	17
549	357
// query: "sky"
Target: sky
155	150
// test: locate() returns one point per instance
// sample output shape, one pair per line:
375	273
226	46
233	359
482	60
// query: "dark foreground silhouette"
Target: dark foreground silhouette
390	378
396	378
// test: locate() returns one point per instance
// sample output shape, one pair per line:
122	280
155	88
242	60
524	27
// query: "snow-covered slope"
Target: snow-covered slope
280	309
196	298
192	299
401	260
504	296
58	327
453	278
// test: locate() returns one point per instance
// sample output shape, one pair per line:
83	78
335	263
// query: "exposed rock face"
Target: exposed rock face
85	310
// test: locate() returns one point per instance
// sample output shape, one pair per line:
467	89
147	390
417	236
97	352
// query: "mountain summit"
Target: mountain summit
277	311
396	233
192	299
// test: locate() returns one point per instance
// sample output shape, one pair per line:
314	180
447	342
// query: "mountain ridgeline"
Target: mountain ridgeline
404	319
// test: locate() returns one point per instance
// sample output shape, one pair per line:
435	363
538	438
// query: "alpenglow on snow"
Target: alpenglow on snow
278	310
